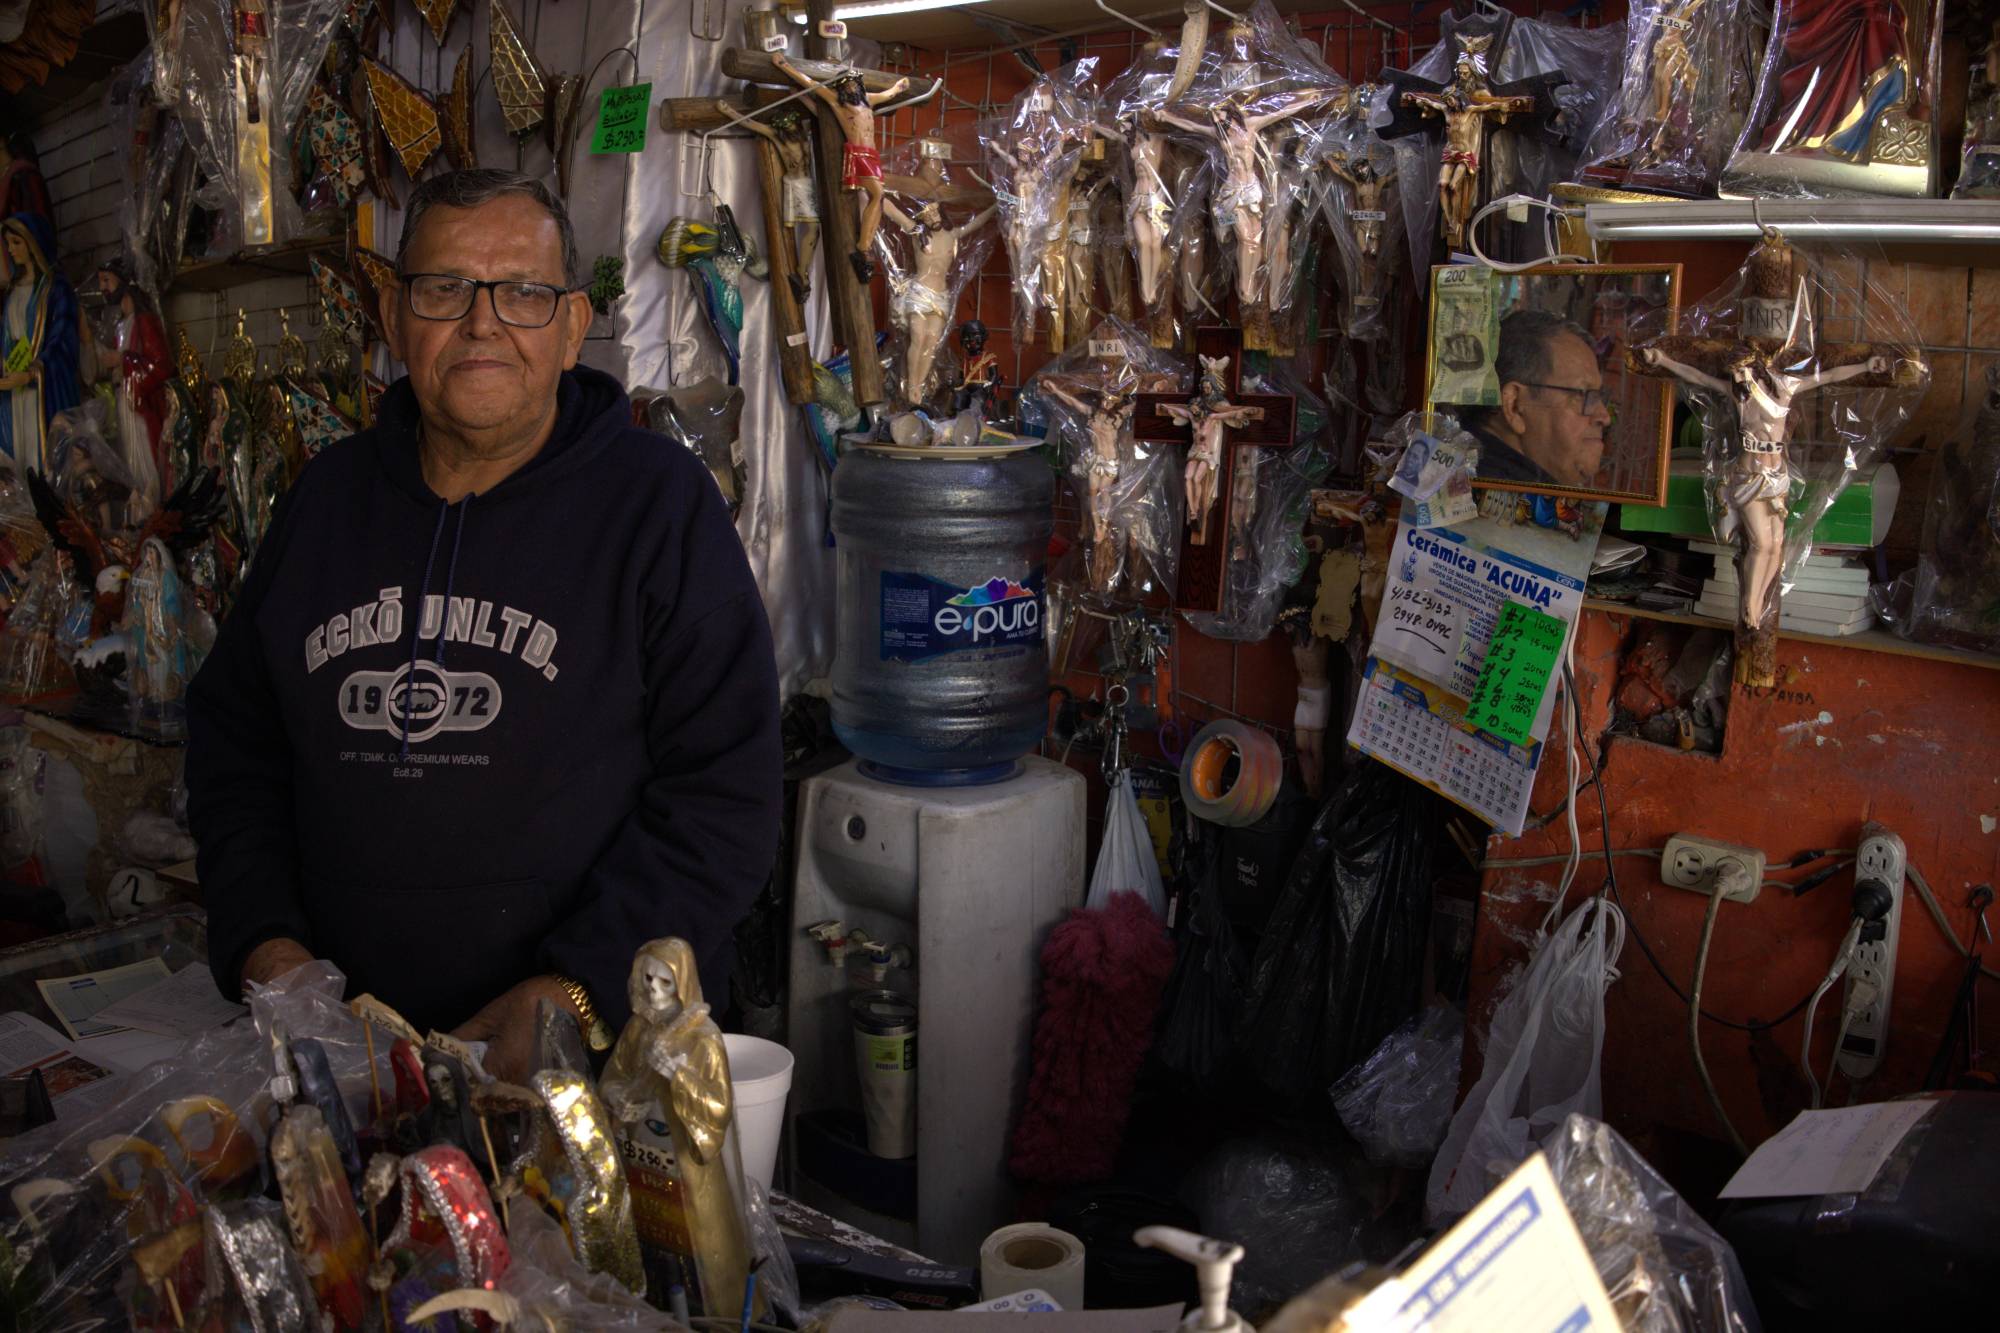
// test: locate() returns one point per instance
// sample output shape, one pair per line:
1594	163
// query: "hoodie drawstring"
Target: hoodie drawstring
423	595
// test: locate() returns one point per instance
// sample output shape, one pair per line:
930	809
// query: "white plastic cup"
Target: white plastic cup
760	1072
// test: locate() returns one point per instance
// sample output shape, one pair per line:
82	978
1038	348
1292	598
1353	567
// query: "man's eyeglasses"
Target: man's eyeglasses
1594	400
525	305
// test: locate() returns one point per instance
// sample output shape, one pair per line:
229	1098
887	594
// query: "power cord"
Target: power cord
1839	969
1611	882
1715	898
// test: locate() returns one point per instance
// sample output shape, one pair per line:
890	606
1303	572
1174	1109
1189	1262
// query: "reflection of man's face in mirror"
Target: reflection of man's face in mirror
1552	408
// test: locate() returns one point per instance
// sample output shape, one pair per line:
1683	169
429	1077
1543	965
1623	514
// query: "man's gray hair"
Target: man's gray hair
482	185
1527	353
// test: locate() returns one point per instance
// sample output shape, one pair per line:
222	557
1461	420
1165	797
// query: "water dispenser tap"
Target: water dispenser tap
880	957
831	936
1214	1261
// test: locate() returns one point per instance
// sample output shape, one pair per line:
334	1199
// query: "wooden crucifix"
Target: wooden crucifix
1772	362
1461	112
1215	421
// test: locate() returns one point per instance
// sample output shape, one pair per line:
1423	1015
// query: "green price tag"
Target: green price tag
1519	661
621	119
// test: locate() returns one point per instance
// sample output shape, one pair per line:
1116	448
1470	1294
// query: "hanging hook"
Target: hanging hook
1229	14
1765	229
1378	21
702	20
701	188
1126	18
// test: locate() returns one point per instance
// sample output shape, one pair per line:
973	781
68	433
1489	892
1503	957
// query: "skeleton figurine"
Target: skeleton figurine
670	1057
1209	413
853	106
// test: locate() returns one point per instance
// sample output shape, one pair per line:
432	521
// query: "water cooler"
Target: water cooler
968	879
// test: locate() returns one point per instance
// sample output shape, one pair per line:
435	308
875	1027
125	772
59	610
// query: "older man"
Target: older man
1549	426
497	703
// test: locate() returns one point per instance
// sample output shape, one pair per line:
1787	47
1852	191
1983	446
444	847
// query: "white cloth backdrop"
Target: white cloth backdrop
656	337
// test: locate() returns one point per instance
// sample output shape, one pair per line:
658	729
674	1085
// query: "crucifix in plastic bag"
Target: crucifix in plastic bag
1216	421
1771	360
1461	113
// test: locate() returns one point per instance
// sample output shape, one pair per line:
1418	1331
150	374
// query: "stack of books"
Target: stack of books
1830	596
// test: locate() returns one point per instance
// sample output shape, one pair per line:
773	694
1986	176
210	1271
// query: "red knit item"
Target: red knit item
1103	971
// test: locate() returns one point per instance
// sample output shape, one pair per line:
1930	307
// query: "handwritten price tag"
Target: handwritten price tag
1519	661
621	119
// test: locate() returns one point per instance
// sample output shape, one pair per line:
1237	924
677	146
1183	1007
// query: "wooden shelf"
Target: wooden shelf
1872	641
290	260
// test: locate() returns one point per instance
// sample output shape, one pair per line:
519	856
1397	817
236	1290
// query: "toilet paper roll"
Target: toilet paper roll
1032	1256
1234	799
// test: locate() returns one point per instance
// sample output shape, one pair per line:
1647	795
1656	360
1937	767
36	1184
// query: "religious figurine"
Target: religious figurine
1107	420
1671	75
254	1279
1979	161
790	132
22	187
1370	196
445	1200
979	377
145	366
1238	202
670	1060
1762	373
156	645
40	342
1464	106
921	300
140	1183
32	670
1032	157
256	112
1844	103
585	1176
1209	413
225	1159
853	108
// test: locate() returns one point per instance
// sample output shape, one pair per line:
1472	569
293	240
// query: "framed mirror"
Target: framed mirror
1533	364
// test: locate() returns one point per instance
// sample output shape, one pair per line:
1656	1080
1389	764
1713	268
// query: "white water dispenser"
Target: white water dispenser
945	895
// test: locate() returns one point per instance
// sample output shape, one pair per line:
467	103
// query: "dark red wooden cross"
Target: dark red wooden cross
1205	545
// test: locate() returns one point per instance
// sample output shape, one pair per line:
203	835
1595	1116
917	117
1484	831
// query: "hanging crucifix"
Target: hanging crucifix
1215	421
1461	112
1772	362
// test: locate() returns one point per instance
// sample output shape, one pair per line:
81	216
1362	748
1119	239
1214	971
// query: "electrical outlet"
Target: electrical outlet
1693	863
1871	979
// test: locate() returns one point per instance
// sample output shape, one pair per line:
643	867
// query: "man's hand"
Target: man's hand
272	959
507	1026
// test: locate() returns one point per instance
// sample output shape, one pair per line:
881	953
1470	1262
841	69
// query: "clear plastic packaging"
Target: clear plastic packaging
1979	159
1664	1268
1272	490
1254	97
245	67
1800	374
927	260
1397	1103
1844	103
1361	192
1130	488
1031	154
1680	102
1298	1211
1146	165
160	661
1543	1053
1954	591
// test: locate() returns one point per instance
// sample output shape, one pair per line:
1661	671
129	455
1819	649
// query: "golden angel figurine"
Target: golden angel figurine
671	1056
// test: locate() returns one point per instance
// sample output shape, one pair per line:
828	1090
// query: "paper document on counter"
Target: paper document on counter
1515	1264
75	1001
186	1004
1826	1152
77	1085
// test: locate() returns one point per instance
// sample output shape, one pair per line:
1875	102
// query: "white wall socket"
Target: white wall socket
1692	863
1880	857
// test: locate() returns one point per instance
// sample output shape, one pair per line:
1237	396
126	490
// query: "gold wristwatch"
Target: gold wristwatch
596	1032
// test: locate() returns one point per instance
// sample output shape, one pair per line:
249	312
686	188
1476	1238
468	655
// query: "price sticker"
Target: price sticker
795	340
777	41
1520	659
832	29
621	119
1039	100
1369	215
935	148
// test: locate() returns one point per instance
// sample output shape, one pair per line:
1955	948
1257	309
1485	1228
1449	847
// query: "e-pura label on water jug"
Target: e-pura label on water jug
923	617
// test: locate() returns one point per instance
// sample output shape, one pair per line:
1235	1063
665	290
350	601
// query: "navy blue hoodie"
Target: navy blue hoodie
452	746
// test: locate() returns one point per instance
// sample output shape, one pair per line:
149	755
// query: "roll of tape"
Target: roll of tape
1231	773
1030	1256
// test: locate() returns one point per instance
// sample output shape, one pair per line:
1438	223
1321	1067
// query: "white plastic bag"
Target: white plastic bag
1125	862
1543	1059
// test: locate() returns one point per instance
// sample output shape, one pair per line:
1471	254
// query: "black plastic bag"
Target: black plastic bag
1341	961
1198	1012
